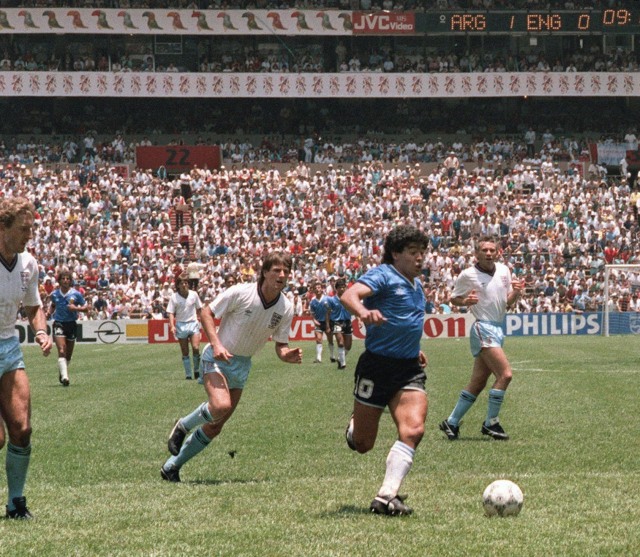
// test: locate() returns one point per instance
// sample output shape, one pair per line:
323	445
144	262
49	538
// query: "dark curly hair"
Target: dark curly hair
399	238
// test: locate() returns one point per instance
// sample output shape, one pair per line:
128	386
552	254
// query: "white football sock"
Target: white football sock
62	368
399	462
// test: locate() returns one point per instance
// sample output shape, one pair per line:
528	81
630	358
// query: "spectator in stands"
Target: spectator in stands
581	301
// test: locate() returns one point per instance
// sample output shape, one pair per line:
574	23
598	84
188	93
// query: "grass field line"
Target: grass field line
573	474
574	371
521	365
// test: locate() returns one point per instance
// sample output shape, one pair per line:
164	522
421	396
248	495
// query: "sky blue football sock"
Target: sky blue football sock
496	397
186	362
198	417
196	362
17	465
465	401
194	444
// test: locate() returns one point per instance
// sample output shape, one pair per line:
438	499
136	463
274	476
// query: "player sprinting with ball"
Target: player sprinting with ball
390	301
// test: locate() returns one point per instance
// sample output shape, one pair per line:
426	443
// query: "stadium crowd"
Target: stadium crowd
91	151
126	238
19	54
416	61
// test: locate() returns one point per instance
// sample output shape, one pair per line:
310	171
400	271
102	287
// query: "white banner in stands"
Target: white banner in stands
318	85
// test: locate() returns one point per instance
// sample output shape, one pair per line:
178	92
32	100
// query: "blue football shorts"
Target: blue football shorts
486	334
236	371
186	329
10	355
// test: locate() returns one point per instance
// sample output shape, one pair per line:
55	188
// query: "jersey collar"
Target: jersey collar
490	273
9	265
413	284
265	304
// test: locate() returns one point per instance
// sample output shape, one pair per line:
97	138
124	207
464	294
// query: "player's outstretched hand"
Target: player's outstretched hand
221	353
471	299
518	284
423	361
45	343
373	317
292	355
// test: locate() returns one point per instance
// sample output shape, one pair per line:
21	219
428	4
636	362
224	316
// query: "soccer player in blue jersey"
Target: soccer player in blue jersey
390	301
18	286
340	323
250	313
318	309
487	288
66	302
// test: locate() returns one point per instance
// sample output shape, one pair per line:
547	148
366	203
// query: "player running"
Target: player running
250	314
318	309
18	286
66	303
488	289
340	322
184	309
390	301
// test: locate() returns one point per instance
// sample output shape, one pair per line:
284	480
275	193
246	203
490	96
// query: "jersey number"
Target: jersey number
364	388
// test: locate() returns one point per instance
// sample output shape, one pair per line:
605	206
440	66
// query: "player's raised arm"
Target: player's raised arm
469	299
518	286
352	300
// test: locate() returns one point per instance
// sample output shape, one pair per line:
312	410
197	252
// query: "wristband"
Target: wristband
41	332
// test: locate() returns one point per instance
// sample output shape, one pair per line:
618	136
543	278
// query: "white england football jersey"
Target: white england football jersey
492	291
18	284
247	322
185	309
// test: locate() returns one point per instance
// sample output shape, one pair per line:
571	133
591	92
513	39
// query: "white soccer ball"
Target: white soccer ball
502	498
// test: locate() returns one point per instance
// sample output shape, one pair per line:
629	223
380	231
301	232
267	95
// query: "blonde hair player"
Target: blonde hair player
487	289
18	287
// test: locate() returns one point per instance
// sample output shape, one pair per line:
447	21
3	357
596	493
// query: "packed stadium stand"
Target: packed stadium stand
516	119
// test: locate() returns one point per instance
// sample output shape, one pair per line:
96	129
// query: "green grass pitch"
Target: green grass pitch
280	481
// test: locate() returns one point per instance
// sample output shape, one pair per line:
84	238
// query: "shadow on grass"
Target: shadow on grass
345	510
224	482
483	439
